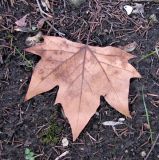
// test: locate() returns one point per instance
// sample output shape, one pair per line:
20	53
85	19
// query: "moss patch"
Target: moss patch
51	135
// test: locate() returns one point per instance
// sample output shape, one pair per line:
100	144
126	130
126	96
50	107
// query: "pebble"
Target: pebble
126	151
121	119
143	154
65	142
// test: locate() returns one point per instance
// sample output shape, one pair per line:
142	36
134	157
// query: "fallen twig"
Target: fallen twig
44	13
152	147
37	1
62	155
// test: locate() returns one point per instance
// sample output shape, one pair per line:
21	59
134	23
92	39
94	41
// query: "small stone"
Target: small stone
65	142
143	154
128	9
126	151
33	28
121	119
87	12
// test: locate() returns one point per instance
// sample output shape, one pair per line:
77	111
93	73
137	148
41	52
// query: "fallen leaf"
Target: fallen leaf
83	74
41	22
21	25
22	22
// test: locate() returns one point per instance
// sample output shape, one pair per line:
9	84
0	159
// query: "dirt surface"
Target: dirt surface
39	124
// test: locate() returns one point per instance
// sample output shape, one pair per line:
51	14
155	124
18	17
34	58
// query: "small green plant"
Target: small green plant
28	63
29	155
51	135
147	55
150	54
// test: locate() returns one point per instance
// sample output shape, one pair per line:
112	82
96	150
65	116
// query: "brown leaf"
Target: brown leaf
83	73
22	22
41	22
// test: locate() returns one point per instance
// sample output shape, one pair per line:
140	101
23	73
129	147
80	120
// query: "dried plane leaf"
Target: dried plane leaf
83	73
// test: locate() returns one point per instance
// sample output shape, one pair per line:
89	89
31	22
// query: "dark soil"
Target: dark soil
26	124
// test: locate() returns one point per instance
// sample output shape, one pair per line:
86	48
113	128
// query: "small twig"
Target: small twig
152	147
37	1
139	1
44	13
64	3
62	155
91	137
52	27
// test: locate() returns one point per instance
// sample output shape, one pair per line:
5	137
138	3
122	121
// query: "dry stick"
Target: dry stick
140	1
152	147
52	27
41	11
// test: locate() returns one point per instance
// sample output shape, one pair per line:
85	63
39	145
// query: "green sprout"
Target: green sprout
29	155
29	63
150	54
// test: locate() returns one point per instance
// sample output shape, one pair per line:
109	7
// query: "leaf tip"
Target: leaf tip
27	97
137	75
129	116
27	49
